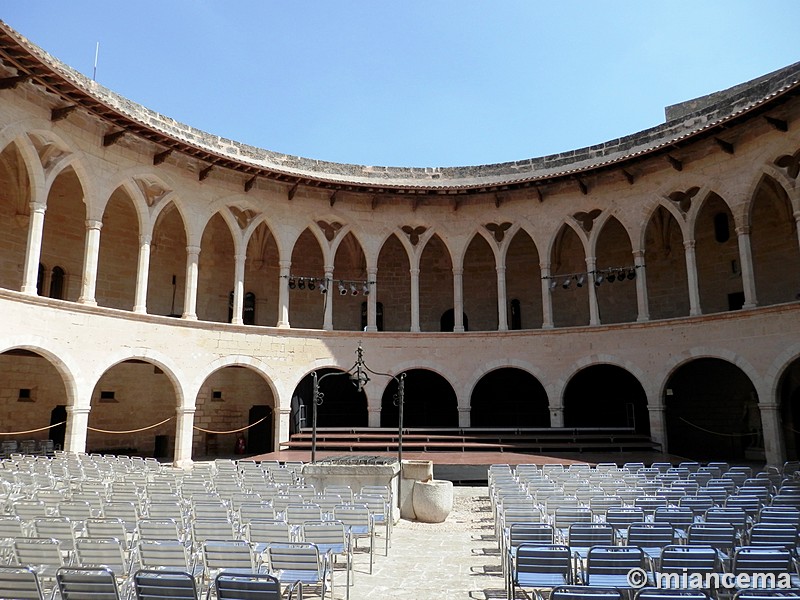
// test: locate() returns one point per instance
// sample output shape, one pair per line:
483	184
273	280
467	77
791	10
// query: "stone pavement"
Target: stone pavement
454	560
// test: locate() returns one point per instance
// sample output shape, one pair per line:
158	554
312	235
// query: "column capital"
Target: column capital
183	411
283	411
743	230
689	244
638	255
145	238
414	270
192	249
456	271
94	224
285	264
796	215
591	262
79	410
41	207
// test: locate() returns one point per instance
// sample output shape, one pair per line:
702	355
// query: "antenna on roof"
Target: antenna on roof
96	54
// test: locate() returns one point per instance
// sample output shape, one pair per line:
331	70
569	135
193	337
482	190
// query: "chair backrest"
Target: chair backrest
651	535
521	533
721	536
767	594
253	586
585	535
297	514
255	510
167	554
613	560
20	583
76	583
774	534
38	552
296	556
149	584
266	531
543	558
762	560
582	592
689	559
101	552
212	529
680	517
228	554
158	529
58	528
325	534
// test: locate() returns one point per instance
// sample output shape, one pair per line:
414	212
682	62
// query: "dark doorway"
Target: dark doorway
789	390
259	436
342	404
58	433
448	321
430	401
509	398
712	412
606	396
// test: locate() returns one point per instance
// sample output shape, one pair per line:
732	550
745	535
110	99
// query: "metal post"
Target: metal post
314	399
401	390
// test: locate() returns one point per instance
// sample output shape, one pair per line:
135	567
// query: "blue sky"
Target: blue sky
415	83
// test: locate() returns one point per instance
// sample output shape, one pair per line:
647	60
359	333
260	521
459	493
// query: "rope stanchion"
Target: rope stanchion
33	430
232	430
130	430
718	432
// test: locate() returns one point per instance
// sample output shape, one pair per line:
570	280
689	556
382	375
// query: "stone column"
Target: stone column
746	262
642	301
190	293
184	437
372	300
502	300
556	415
283	293
658	422
458	300
796	216
374	399
142	275
281	426
547	298
77	428
691	276
327	324
238	289
464	417
91	255
774	447
414	299
33	250
594	309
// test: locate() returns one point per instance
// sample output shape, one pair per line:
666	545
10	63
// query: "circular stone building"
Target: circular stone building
175	285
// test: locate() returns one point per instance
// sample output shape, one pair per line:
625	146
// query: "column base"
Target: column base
87	301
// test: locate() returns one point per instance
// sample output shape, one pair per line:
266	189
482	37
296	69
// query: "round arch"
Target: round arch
789	403
430	401
509	397
712	411
606	395
342	404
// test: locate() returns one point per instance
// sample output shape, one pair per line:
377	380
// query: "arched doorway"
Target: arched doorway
606	396
342	404
133	396
712	412
509	397
430	401
229	401
789	398
34	391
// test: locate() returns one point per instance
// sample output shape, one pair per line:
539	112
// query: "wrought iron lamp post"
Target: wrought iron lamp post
359	376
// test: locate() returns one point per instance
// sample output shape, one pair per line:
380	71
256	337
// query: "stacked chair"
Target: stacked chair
580	531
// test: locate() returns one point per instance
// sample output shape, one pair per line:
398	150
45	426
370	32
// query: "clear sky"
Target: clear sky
415	82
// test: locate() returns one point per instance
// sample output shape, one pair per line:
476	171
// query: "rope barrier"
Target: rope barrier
718	432
232	430
130	430
33	430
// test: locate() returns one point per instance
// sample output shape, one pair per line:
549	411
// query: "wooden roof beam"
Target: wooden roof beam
205	172
248	185
62	112
9	83
113	137
674	163
779	124
160	157
727	147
